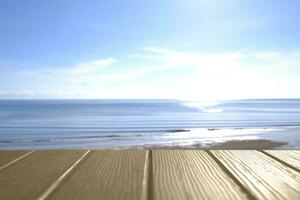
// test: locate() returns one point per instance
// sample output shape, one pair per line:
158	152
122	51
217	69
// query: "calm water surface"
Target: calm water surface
47	124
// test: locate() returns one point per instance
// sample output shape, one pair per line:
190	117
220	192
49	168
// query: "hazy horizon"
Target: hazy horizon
146	99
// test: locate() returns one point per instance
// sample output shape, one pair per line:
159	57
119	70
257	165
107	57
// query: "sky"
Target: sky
158	49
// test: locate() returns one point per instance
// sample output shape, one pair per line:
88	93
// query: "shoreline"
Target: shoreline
234	144
247	144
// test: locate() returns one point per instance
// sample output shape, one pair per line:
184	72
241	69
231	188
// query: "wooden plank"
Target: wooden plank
9	156
190	174
31	176
107	175
262	176
290	157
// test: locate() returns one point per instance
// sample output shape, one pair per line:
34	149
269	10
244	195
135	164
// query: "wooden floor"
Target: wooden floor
147	175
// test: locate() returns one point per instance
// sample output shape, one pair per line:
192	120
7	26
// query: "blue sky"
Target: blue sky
192	49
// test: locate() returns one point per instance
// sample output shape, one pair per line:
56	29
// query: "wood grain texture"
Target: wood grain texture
262	176
8	156
106	175
31	176
190	174
291	157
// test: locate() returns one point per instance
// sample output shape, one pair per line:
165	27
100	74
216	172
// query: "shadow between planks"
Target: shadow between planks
150	174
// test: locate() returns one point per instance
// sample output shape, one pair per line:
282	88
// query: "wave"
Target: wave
200	104
213	110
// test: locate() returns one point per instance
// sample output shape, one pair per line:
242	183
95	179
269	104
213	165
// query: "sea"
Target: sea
121	124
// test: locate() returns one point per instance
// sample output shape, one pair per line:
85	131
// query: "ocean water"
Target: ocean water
100	124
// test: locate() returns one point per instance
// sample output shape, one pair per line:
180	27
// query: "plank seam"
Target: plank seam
231	175
280	161
150	176
16	160
52	187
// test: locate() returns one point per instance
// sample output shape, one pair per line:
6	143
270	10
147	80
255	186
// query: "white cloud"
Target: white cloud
205	76
234	75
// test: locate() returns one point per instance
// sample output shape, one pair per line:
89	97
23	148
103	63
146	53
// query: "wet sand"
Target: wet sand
249	145
259	144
